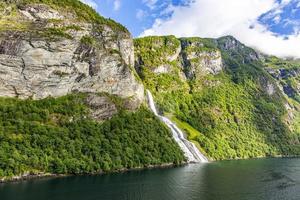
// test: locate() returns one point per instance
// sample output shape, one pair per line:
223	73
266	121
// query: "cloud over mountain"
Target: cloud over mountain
250	21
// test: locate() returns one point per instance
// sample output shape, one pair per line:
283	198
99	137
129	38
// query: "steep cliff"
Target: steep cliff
220	93
286	73
53	48
72	94
70	99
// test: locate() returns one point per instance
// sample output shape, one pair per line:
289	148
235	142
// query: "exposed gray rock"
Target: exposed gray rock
202	63
230	43
40	12
290	112
102	108
38	67
163	69
199	61
269	86
189	59
233	47
175	56
282	76
270	89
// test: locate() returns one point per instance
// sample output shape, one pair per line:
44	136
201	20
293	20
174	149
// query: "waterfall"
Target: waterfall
189	149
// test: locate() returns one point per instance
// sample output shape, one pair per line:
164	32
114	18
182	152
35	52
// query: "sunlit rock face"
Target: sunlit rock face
54	54
198	60
189	57
102	108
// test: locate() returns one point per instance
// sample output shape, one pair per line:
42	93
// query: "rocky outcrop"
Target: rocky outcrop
199	61
287	80
102	108
168	57
191	56
269	86
40	12
162	69
233	47
59	55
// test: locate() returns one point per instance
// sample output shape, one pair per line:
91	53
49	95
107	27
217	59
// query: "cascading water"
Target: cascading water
189	149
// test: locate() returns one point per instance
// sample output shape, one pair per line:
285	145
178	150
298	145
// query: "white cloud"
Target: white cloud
216	18
285	2
140	14
168	10
150	3
117	5
91	3
277	19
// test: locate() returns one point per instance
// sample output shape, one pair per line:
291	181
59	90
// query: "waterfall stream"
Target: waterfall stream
189	149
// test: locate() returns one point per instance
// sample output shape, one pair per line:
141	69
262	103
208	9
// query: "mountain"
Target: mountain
71	101
63	46
222	93
72	94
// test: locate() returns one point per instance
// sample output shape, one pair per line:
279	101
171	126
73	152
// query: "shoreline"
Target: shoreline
28	176
41	175
260	157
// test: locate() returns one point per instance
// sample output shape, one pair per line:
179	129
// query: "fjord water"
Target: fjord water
262	179
189	149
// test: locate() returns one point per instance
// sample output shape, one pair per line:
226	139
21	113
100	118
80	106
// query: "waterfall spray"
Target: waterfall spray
189	149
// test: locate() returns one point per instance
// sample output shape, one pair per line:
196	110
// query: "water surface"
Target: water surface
262	179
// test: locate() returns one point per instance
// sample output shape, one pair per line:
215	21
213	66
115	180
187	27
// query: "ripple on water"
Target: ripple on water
263	179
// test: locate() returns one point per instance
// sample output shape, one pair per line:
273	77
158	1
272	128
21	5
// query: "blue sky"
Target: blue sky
136	15
286	22
271	26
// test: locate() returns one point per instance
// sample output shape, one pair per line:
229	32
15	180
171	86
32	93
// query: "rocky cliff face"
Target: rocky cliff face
286	73
50	51
198	60
190	56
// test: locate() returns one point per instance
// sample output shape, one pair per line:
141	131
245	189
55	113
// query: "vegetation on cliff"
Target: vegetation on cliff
219	92
69	44
236	113
287	74
82	11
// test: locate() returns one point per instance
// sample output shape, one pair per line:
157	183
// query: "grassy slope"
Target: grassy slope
191	133
57	136
233	113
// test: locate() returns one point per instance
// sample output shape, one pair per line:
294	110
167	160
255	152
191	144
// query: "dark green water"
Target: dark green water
264	179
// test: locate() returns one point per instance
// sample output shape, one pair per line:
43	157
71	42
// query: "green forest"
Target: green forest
57	136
